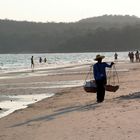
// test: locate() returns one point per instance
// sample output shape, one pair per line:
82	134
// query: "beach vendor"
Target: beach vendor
99	71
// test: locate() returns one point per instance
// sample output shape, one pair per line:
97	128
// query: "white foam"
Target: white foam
45	85
16	102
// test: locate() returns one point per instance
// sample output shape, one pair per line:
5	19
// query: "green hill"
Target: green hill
104	33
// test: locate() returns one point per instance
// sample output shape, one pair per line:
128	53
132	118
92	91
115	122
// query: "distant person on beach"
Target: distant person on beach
40	60
137	56
32	62
45	60
115	56
99	70
131	56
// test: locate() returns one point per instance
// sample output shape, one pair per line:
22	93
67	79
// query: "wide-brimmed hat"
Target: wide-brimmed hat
99	57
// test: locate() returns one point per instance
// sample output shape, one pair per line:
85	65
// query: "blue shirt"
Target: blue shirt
99	70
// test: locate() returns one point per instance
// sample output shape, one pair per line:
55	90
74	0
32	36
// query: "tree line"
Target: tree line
104	33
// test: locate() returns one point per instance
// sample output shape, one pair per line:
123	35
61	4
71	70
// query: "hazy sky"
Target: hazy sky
65	10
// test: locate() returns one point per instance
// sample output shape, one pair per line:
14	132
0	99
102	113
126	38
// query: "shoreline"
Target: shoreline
12	103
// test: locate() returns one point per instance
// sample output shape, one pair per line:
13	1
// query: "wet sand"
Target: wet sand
73	114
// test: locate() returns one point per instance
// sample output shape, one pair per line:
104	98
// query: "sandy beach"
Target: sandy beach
72	114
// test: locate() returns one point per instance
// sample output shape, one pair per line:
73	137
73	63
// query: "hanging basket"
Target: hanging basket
111	88
112	80
90	86
112	77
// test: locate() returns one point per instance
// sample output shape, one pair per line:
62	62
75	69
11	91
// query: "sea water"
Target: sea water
18	62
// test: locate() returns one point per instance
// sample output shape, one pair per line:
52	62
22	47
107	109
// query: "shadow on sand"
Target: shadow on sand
66	110
60	112
130	96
